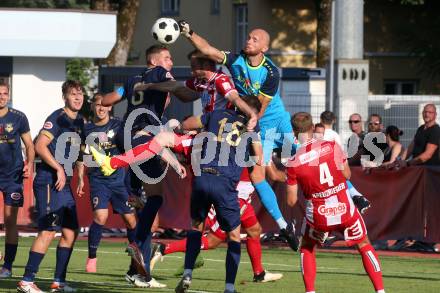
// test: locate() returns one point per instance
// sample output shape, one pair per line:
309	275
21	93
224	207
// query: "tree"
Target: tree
419	35
127	12
323	10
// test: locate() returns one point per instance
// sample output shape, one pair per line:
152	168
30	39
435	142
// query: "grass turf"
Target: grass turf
337	272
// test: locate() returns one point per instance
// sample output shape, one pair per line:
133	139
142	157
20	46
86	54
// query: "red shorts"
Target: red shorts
354	230
248	219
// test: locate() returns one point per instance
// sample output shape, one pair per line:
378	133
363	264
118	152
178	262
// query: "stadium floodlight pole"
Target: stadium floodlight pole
332	57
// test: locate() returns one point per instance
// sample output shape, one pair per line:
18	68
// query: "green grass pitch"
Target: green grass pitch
337	272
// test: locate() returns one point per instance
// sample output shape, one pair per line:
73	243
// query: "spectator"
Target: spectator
424	150
395	149
319	130
355	142
375	127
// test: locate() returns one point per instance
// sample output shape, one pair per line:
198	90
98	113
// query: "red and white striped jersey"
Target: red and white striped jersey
315	169
213	92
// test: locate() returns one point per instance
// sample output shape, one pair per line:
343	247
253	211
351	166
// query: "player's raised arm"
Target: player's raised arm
240	104
182	92
200	43
113	97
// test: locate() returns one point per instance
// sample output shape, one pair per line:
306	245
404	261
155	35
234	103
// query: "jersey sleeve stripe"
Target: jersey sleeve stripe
224	58
199	121
266	95
47	133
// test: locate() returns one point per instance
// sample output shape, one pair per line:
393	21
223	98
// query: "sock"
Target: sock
180	246
372	266
10	252
137	154
205	243
269	200
176	246
32	266
131	235
141	152
147	215
145	247
193	243
232	261
353	191
63	275
308	267
95	235
230	287
253	246
62	260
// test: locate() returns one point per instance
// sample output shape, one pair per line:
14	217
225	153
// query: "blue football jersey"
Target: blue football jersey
151	100
12	126
57	124
106	138
227	126
263	79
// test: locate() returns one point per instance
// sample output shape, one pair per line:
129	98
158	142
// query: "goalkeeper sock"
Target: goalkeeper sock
353	191
269	200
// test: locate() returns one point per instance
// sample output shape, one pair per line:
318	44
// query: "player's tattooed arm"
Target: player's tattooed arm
30	153
200	43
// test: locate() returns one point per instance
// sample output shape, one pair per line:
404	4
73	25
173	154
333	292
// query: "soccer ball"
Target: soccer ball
165	30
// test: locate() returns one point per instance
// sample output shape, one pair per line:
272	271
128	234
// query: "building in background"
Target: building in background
34	49
292	25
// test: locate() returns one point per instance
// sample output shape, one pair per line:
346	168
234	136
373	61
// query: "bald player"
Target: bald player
255	74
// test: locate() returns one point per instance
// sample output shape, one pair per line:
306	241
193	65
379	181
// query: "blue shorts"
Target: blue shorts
55	209
274	133
153	168
220	191
12	192
103	192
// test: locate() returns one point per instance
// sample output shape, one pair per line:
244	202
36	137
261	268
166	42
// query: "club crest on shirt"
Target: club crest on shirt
9	127
110	133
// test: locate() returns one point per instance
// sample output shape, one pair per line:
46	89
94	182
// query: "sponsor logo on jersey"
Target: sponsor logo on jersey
334	210
16	196
48	125
329	191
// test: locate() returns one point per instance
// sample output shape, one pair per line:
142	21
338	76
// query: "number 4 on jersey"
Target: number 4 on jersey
324	175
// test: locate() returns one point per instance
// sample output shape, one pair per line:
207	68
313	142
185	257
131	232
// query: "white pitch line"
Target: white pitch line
120	285
180	257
